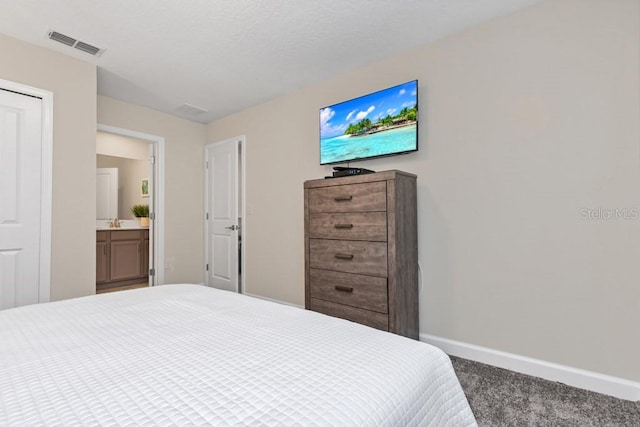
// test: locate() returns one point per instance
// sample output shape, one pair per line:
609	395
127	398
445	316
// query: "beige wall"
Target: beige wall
524	122
184	182
73	84
110	144
131	172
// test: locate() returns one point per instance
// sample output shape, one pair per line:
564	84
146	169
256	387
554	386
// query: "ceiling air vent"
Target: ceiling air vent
61	38
85	47
191	110
70	41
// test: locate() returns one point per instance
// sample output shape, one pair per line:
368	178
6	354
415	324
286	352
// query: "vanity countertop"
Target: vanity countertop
103	228
125	224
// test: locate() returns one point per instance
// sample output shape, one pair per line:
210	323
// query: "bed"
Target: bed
192	355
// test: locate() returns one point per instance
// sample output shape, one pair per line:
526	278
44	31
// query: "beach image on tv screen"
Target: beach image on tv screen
373	125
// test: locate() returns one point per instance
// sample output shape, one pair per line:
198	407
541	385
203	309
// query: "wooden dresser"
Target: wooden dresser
361	250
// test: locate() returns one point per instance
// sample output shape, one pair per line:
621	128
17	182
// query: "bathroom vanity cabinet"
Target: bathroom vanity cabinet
122	257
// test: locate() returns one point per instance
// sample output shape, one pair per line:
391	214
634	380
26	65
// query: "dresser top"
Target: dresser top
357	179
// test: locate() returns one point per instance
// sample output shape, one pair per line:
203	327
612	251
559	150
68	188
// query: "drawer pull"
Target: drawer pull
344	256
343	198
344	288
343	225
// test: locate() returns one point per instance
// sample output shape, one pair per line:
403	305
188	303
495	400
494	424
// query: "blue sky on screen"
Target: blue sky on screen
335	119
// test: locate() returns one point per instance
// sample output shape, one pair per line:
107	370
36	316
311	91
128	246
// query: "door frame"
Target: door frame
158	144
242	144
46	180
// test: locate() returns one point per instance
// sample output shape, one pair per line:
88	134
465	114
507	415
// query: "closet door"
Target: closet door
20	198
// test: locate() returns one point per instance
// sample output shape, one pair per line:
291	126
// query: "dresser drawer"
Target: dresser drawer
349	256
370	196
356	290
370	226
366	317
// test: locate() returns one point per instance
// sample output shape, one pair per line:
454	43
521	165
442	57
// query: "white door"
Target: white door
152	214
222	224
20	199
106	193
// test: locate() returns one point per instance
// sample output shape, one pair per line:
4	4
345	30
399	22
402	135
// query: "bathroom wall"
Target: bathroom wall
130	156
131	172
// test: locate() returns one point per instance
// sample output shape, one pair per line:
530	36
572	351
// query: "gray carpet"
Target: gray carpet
499	397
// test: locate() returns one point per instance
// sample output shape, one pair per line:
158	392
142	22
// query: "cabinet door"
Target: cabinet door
126	259
102	262
145	257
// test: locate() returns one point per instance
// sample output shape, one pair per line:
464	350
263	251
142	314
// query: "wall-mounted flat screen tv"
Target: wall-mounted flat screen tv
382	123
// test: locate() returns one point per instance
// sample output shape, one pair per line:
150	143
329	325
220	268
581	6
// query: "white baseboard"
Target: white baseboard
273	300
580	378
599	383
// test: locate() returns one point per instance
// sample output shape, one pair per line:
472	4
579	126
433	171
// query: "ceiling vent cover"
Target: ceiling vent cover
191	110
76	44
61	38
85	47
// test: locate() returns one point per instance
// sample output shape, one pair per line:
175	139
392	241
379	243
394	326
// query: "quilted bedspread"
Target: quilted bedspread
192	355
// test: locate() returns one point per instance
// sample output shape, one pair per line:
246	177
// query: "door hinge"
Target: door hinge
207	215
207	267
206	165
152	159
152	272
152	216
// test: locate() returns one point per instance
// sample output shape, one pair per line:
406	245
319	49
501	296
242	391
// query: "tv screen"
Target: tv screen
379	124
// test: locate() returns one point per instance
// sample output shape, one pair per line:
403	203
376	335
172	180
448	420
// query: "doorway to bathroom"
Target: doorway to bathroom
129	230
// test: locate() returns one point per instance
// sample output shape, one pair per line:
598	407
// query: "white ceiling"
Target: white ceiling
224	56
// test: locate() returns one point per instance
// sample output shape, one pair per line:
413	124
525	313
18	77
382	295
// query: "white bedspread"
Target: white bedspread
191	355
